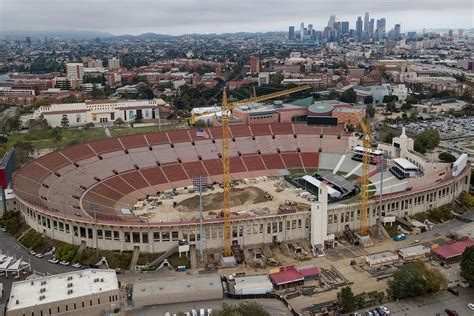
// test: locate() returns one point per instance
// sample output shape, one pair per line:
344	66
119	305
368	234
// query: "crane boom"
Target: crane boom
226	112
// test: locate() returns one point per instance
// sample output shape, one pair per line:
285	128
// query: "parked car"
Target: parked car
39	255
32	252
4	229
451	312
369	313
77	265
385	310
53	260
64	263
470	306
453	291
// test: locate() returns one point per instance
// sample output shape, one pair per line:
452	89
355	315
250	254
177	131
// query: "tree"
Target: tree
243	309
446	157
119	122
56	134
368	99
406	106
348	96
467	265
370	110
22	151
332	95
389	137
97	93
346	301
69	99
65	122
414	280
391	106
428	139
40	102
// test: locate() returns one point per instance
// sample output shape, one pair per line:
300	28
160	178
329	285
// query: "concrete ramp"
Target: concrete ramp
134	260
171	251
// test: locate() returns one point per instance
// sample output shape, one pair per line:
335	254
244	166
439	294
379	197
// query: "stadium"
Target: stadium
130	192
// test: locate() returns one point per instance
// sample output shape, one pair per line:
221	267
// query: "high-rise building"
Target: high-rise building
332	20
254	64
397	31
359	27
302	31
310	29
291	33
114	63
381	28
28	41
344	27
366	22
371	27
75	71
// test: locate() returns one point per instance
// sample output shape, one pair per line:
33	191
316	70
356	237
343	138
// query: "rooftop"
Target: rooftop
57	287
454	249
404	163
286	275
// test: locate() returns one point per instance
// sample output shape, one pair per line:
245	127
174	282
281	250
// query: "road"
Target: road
10	246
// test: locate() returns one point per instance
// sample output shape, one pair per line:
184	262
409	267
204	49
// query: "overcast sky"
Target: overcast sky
220	16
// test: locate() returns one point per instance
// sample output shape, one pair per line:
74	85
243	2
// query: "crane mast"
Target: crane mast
226	112
226	174
364	194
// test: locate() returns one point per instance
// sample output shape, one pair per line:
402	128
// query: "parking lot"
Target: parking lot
39	265
447	127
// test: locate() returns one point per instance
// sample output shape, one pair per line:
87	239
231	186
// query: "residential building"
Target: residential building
75	71
114	63
254	64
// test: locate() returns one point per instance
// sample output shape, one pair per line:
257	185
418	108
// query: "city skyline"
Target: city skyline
190	16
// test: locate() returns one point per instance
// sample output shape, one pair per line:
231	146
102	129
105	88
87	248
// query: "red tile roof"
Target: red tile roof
308	271
453	250
286	275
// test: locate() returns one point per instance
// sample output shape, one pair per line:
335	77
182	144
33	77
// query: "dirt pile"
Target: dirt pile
214	201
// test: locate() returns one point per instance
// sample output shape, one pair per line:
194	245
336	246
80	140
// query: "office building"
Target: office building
291	33
344	27
75	71
380	30
332	20
302	31
366	22
359	28
371	27
397	31
254	64
86	292
28	41
114	63
310	29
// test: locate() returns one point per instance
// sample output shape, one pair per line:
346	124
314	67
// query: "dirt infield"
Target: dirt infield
214	201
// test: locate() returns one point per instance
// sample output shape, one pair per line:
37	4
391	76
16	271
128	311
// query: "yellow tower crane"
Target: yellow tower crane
226	113
364	191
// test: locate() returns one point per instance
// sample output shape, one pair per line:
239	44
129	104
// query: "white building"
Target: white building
263	78
114	63
75	71
85	292
100	111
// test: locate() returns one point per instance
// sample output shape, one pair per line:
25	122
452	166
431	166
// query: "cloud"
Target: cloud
219	16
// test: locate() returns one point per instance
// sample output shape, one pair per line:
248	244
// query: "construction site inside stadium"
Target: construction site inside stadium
137	191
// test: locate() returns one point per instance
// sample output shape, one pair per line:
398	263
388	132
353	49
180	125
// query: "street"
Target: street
10	246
